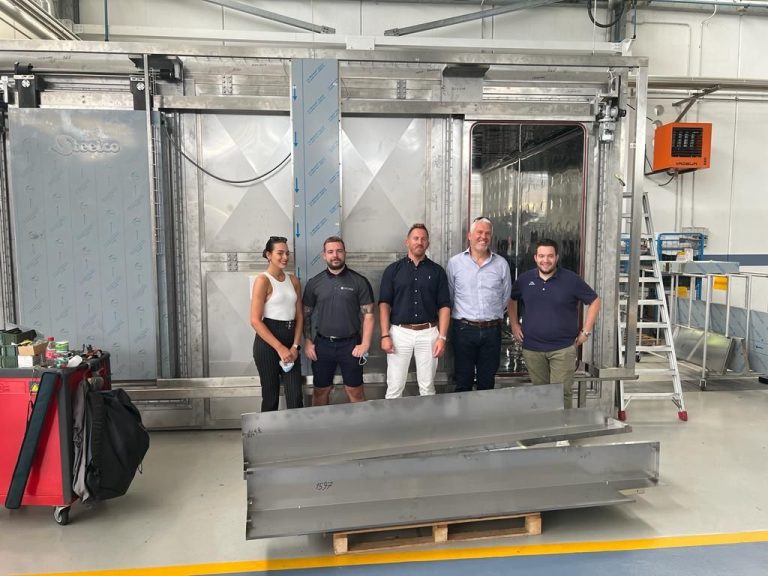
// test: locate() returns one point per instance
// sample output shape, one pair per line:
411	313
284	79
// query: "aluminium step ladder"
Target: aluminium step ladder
654	329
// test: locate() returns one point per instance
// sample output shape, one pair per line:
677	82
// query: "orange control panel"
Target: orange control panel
682	146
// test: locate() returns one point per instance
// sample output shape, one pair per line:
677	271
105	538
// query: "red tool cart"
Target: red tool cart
50	479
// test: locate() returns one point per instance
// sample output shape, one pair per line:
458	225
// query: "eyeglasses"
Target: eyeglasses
278	239
480	218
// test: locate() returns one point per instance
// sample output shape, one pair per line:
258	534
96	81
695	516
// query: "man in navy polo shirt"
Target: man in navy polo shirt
552	298
342	302
414	312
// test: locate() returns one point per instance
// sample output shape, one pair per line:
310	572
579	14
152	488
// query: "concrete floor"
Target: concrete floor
188	506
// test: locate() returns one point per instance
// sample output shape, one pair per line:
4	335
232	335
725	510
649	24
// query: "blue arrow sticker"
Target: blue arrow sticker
297	230
296	184
294	92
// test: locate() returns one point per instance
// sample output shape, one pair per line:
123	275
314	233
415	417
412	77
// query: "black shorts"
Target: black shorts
333	354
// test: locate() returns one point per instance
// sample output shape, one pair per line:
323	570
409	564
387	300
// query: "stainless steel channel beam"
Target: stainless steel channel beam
294	500
385	427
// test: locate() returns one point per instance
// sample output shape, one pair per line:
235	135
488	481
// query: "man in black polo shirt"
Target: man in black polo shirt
414	311
550	332
340	297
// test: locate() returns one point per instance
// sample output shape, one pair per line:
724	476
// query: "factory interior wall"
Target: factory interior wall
681	44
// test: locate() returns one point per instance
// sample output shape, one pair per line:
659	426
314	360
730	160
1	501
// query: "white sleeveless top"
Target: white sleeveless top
281	304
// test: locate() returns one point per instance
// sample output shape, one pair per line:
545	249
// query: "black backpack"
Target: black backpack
116	442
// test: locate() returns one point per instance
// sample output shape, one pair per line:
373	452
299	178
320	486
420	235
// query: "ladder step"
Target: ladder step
651	395
657	371
644	236
643	257
643	302
644	348
644	324
645	279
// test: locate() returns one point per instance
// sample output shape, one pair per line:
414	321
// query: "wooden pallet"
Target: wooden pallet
388	537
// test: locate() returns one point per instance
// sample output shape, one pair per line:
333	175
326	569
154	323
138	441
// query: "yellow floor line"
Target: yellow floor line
431	555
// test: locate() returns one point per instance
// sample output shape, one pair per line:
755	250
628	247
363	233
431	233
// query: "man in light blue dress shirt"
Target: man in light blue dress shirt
480	284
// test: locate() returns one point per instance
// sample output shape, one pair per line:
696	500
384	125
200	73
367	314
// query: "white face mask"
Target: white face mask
286	366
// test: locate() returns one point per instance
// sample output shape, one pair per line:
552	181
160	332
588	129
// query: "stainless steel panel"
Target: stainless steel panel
398	490
385	181
232	409
83	231
180	412
240	218
315	117
689	346
392	426
304	520
230	334
224	55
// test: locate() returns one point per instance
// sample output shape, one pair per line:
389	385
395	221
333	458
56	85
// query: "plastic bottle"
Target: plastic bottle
50	350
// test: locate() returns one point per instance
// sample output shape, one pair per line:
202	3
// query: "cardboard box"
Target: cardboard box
32	349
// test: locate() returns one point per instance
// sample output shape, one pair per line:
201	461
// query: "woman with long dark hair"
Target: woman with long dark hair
278	318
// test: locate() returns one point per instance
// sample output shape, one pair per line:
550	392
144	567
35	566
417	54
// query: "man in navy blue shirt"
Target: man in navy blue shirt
414	312
552	299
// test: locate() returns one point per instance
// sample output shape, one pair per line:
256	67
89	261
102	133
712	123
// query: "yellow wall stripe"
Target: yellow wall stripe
432	555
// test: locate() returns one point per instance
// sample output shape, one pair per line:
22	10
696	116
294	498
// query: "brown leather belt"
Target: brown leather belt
480	323
422	326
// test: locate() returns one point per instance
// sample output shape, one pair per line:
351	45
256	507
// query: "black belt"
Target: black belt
337	338
286	323
480	323
422	326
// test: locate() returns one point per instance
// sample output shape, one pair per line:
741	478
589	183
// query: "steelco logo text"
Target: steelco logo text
67	145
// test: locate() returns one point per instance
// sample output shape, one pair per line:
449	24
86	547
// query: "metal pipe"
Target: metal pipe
748	303
25	21
673	297
691	284
727	305
106	20
55	28
710	282
275	17
636	211
512	7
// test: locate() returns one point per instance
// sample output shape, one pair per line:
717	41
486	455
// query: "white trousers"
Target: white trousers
416	343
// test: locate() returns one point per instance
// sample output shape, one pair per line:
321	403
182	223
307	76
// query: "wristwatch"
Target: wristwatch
587	334
443	338
297	346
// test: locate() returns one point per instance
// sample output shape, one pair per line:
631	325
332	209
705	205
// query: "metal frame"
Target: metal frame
398	490
518	86
708	281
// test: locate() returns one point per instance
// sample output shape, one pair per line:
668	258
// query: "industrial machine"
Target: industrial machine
145	180
682	146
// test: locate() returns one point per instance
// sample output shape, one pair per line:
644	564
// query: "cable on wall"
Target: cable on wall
177	145
610	24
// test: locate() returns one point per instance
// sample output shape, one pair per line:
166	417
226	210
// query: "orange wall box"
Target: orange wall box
682	146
